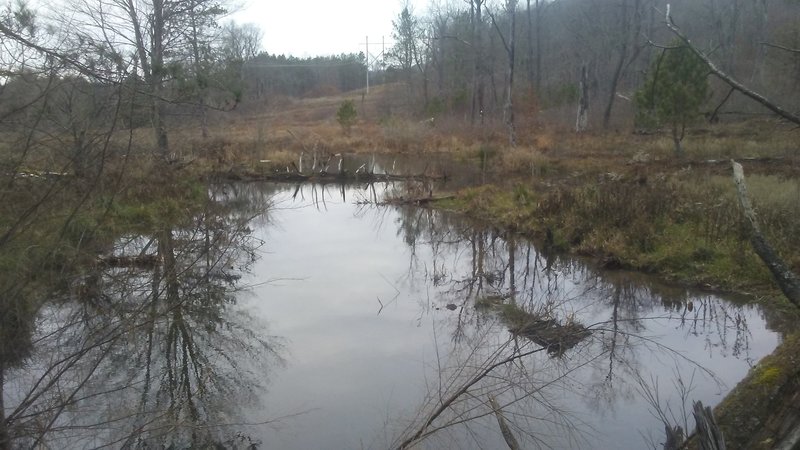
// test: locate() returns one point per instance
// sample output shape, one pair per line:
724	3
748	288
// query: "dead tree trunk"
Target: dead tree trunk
5	437
529	33
708	433
622	57
538	48
510	46
675	437
582	121
478	81
511	6
787	280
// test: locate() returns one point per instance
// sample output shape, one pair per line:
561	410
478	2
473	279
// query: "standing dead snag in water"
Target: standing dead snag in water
708	432
787	280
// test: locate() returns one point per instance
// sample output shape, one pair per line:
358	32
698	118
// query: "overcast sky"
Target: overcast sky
323	27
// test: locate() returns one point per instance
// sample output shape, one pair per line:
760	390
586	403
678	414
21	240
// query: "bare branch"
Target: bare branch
727	78
781	47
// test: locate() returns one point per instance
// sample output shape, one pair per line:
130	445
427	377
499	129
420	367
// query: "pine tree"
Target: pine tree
676	87
346	115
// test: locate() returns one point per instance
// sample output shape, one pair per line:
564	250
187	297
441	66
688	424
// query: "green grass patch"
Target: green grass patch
684	227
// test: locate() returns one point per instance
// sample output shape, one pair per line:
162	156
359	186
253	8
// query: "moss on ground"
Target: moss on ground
762	407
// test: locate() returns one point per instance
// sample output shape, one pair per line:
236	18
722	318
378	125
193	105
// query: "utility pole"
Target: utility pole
381	56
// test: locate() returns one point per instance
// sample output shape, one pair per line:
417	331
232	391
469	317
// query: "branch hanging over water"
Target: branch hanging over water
447	402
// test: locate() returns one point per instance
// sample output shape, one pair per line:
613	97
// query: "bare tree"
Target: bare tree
629	29
412	50
509	43
478	75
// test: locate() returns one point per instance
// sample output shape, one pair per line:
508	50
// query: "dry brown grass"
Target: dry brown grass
279	129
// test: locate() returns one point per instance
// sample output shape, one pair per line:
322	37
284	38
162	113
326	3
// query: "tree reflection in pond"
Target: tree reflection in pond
152	347
149	348
637	350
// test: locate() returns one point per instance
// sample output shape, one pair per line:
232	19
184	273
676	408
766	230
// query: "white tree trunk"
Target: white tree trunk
582	122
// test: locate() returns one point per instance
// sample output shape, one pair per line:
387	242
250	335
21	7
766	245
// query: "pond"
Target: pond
378	306
297	317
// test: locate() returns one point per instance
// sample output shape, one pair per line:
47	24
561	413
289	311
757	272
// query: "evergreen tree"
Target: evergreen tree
346	115
676	87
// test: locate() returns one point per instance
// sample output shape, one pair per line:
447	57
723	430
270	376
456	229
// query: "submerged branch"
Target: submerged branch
447	402
504	428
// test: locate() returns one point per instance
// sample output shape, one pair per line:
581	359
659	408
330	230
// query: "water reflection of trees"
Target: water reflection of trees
470	264
148	347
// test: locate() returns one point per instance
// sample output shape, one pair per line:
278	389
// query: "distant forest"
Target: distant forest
455	57
468	61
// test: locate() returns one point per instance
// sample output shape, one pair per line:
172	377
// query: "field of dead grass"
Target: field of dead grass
279	130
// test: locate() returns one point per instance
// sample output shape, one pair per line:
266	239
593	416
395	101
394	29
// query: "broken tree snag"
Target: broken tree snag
708	433
727	78
582	121
504	428
675	437
787	280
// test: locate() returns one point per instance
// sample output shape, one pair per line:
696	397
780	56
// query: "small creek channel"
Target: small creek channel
327	323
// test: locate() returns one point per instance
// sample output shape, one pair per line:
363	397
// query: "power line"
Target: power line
381	55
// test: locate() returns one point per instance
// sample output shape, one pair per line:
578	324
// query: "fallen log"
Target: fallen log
787	281
321	177
415	201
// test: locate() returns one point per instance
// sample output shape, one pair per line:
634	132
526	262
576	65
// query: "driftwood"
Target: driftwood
511	441
787	280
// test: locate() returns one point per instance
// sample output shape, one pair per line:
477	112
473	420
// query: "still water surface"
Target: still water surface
378	309
301	317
